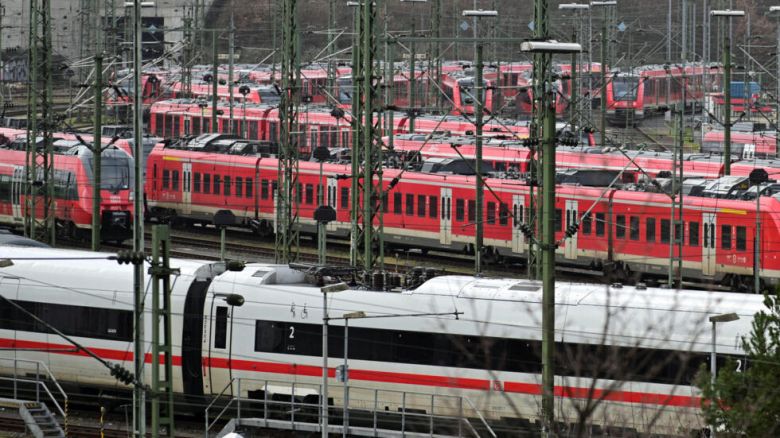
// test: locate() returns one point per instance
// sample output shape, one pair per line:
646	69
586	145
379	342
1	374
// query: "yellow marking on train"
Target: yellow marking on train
732	211
168	158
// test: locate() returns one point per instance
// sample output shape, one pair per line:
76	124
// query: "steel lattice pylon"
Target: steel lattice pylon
39	170
287	231
367	192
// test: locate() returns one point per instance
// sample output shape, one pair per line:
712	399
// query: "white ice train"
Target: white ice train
635	349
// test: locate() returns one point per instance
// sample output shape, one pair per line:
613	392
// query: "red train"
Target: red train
183	117
626	233
506	155
241	92
746	145
630	96
73	188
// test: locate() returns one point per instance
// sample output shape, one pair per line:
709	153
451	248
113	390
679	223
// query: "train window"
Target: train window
472	213
421	205
678	237
345	197
158	124
196	184
239	186
491	213
325	139
220	327
273	129
175	180
503	214
268	336
264	189
433	206
217	184
226	181
459	210
334	138
620	226
586	224
385	202
248	191
398	203
741	238
600	224
168	126
558	226
634	227
166	178
177	126
693	233
253	129
274	188
299	192
650	230
206	183
309	193
725	236
410	204
195	125
665	230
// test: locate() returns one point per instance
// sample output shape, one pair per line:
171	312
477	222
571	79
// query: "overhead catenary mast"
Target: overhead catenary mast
39	174
287	232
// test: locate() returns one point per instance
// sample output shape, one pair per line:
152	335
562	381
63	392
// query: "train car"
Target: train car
631	96
628	349
195	181
187	117
458	89
241	92
507	154
73	189
120	101
745	145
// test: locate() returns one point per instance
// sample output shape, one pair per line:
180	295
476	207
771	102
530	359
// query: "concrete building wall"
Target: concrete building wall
67	23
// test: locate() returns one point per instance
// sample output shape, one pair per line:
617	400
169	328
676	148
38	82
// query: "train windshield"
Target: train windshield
468	93
345	90
625	88
116	173
269	95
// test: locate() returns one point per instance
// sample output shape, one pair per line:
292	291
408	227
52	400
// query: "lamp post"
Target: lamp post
139	397
545	50
345	369
478	115
412	72
727	14
603	105
775	10
715	319
329	289
574	89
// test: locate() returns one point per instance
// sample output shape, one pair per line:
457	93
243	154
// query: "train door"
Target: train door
218	370
186	188
333	188
749	151
709	246
570	244
445	226
16	193
518	238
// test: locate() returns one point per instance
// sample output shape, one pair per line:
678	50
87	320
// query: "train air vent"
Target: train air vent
524	287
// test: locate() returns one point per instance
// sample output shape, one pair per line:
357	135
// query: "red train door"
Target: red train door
710	244
570	244
186	189
333	189
518	239
16	193
445	225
